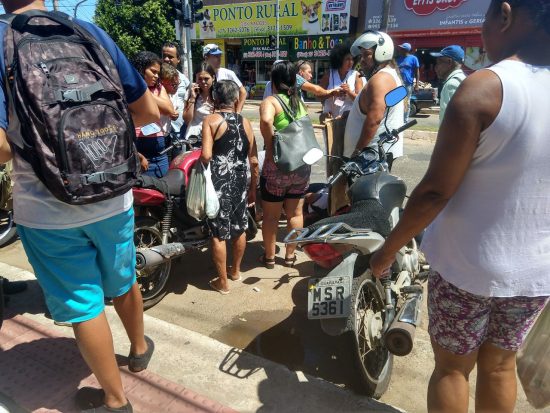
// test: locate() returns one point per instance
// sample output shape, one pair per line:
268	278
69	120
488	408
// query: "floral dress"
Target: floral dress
229	166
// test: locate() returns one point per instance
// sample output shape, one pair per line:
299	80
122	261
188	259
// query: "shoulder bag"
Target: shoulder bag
293	142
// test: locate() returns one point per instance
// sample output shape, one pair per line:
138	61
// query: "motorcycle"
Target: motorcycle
378	317
163	229
7	225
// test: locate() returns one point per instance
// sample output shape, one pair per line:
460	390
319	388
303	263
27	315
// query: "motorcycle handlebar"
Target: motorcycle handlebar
405	127
179	142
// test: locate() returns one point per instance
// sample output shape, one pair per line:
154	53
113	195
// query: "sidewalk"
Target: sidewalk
42	369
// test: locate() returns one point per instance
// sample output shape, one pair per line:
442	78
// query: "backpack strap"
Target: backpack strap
21	20
7	18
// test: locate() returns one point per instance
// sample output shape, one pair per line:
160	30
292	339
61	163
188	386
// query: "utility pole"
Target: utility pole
277	24
385	15
186	35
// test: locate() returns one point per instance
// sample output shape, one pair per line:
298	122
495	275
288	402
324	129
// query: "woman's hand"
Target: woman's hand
194	92
175	115
346	89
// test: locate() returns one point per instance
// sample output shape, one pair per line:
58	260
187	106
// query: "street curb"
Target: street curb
232	377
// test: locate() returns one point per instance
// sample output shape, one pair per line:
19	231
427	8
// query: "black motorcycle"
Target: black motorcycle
378	316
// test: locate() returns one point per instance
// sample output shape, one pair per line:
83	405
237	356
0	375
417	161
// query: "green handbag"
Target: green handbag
293	142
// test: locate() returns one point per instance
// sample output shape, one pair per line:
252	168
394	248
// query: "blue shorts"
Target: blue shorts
78	267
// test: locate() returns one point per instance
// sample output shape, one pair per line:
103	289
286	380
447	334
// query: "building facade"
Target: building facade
308	30
430	25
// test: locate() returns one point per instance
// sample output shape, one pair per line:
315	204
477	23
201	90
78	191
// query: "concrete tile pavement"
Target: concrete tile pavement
41	369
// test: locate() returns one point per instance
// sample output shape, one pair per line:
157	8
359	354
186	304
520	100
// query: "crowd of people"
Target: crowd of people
478	197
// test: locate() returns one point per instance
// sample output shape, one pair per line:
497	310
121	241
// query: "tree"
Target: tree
137	25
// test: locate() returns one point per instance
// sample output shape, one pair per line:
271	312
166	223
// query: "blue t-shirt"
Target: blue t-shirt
133	83
407	67
34	205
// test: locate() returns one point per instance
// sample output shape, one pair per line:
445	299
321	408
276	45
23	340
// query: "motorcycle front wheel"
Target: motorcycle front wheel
7	227
151	281
373	361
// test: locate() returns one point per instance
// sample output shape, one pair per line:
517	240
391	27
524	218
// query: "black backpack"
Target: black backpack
74	121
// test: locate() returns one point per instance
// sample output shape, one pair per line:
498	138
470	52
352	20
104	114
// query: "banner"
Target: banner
257	48
258	19
313	47
429	17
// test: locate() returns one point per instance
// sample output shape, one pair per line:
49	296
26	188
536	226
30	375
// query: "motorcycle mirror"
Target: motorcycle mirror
192	140
395	96
312	156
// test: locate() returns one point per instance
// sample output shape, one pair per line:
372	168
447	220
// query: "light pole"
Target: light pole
76	7
385	15
277	24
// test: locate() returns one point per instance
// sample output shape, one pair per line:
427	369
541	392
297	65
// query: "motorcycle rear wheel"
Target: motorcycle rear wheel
152	282
373	361
7	227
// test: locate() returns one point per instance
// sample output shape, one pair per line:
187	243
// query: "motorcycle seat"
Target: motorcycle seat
173	182
364	214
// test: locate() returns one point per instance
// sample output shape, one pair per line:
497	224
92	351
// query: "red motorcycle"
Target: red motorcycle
163	228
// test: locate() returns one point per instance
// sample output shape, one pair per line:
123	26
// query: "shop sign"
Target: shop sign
257	48
258	19
313	47
427	7
429	17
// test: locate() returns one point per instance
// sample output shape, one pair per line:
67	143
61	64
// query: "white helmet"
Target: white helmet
370	39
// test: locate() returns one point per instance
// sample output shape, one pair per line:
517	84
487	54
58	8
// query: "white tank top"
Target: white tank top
337	105
493	237
356	119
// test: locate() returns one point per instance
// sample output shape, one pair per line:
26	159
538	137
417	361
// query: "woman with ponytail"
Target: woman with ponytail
279	189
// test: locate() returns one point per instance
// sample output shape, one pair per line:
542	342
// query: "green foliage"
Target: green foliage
136	27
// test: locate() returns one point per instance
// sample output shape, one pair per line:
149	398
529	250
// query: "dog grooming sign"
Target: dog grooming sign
258	19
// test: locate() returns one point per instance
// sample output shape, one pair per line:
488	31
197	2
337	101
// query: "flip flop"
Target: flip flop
211	284
139	362
231	278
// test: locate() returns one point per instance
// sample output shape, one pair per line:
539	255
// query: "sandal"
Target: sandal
137	363
213	286
289	262
269	263
230	276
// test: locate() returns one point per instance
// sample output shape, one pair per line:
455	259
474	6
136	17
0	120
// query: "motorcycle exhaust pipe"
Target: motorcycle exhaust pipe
151	257
399	338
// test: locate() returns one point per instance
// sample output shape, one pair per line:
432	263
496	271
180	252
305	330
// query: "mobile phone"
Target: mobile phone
150	129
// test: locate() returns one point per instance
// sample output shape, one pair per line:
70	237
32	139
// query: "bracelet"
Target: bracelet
190	101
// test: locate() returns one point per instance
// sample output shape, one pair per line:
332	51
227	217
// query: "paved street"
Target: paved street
265	314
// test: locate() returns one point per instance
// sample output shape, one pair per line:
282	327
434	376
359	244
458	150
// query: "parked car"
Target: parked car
424	98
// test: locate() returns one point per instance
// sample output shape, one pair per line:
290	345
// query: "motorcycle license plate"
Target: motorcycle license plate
329	297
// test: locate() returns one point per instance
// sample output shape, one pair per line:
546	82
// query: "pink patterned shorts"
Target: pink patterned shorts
460	321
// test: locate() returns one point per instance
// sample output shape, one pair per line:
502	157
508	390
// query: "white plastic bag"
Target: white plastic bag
212	203
195	193
534	362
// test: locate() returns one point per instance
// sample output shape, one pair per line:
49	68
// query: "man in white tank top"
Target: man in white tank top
366	118
485	199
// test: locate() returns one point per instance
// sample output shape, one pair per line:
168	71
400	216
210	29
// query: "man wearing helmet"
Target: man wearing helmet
368	114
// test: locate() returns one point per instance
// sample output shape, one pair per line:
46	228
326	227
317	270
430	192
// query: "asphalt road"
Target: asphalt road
266	313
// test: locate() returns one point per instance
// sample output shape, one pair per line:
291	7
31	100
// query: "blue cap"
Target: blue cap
406	46
212	49
455	52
